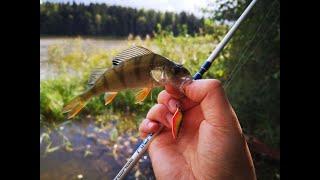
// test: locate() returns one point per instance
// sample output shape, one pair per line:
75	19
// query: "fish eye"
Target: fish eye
176	69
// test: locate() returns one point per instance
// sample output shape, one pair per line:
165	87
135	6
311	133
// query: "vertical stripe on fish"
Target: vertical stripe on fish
105	82
137	63
120	75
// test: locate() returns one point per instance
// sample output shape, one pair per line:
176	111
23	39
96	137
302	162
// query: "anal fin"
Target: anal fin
142	94
109	96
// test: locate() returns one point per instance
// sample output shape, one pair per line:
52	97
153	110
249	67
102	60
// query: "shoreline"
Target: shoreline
84	37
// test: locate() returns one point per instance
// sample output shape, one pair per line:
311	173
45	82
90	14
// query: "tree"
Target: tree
101	19
254	90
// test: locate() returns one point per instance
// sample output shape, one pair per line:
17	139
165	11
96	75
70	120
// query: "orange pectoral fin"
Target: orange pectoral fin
176	123
142	94
109	96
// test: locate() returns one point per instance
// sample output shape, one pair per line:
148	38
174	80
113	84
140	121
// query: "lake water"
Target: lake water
83	149
94	153
45	43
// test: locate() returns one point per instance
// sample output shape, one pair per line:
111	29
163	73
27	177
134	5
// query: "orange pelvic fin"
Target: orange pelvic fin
142	94
109	96
176	123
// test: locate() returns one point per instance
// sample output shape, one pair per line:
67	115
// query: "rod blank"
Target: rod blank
224	41
144	145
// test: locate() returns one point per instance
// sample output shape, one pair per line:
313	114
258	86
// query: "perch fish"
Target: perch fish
134	68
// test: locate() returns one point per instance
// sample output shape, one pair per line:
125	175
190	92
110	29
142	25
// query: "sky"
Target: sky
191	6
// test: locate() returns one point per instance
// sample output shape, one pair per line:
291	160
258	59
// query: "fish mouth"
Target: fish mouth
184	82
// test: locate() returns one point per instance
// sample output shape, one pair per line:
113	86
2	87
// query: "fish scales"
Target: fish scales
137	72
134	73
136	67
130	74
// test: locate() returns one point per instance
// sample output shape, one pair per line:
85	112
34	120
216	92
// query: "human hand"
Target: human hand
210	144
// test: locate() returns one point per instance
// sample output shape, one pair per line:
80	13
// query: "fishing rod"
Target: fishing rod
204	68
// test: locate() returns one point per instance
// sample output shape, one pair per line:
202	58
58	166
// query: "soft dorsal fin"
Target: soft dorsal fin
130	53
95	74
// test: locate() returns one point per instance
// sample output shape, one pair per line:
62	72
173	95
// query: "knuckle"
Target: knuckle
214	84
158	108
140	128
161	96
143	124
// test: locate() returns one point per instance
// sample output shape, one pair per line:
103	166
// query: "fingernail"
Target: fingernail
173	104
150	125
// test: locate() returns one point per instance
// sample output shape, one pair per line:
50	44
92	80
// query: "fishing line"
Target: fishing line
144	145
249	57
252	52
246	47
215	53
244	51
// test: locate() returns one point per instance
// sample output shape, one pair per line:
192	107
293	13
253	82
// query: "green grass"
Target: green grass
73	62
254	98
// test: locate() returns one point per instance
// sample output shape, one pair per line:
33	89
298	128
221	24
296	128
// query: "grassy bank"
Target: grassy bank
253	92
72	63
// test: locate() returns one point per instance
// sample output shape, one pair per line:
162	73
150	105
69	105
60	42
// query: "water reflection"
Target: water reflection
85	150
45	42
91	148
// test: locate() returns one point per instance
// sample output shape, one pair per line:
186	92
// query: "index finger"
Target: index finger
210	94
170	100
213	101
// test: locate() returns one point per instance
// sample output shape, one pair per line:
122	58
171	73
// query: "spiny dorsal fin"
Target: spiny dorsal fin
95	74
130	53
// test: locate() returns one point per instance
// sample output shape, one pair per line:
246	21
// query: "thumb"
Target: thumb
215	106
221	143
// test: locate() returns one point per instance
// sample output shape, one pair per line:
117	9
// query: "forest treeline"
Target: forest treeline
249	66
105	20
